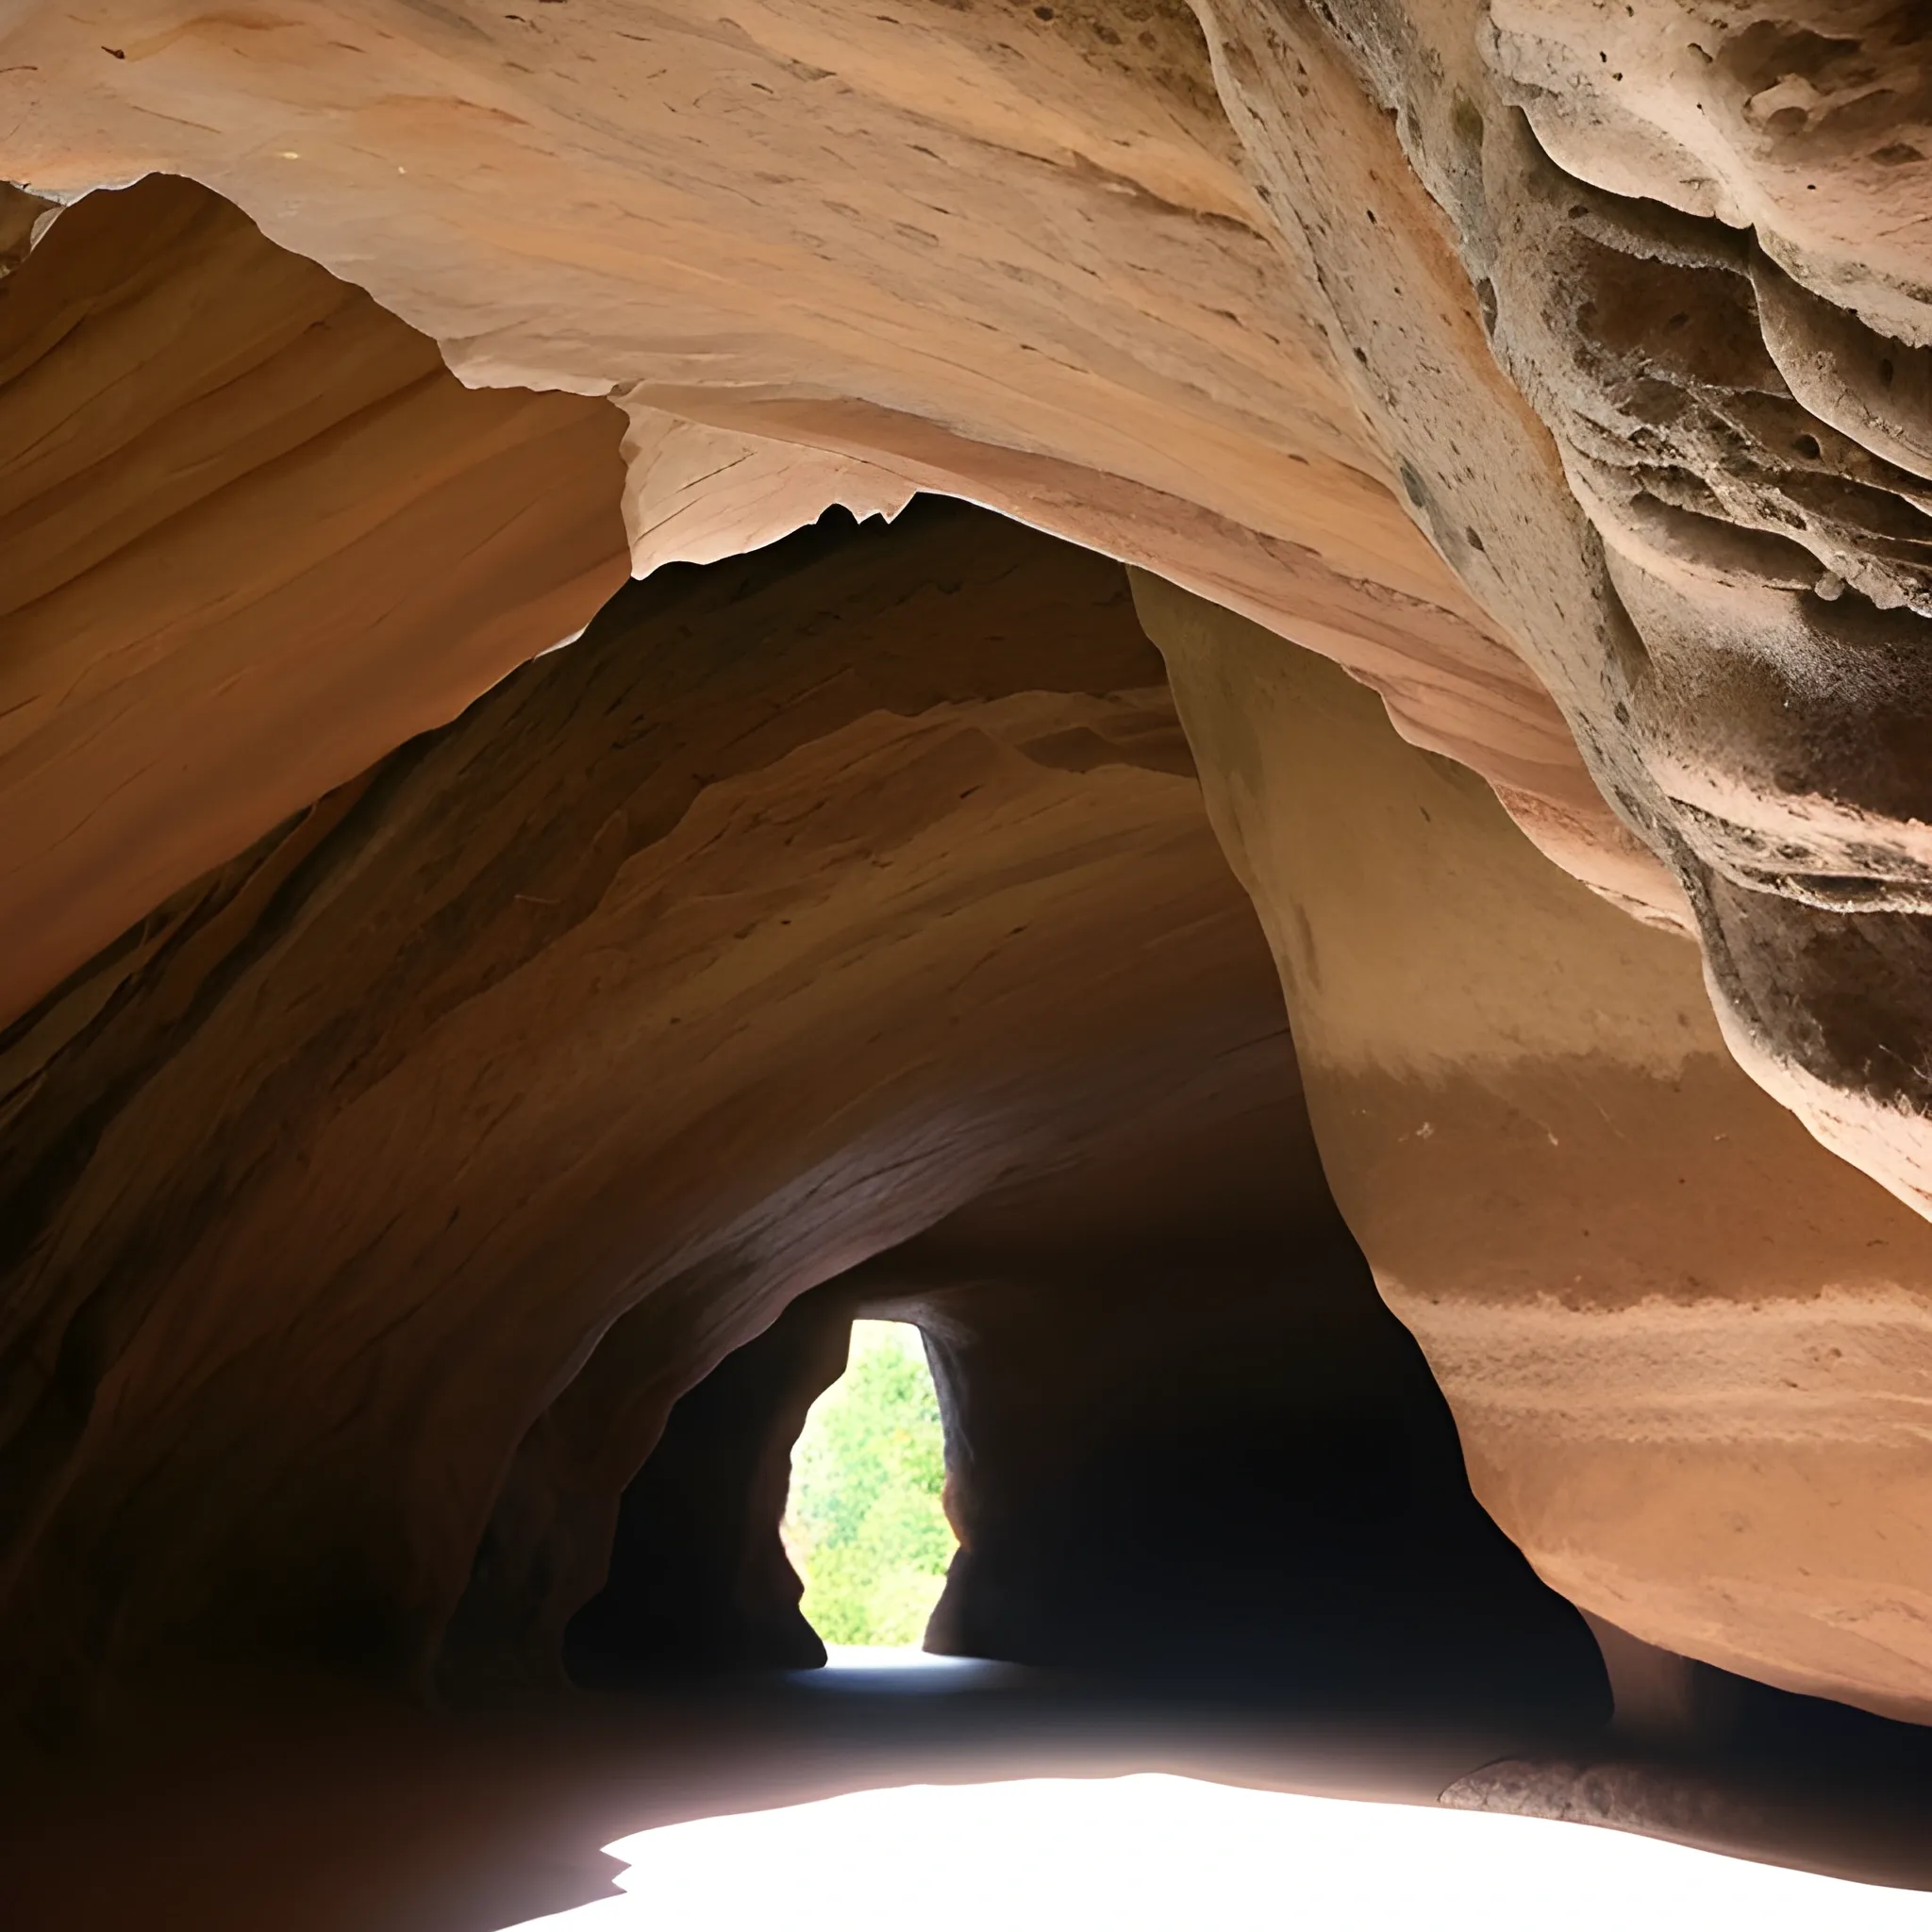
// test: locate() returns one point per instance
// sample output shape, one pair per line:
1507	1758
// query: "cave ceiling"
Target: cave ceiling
968	658
1507	354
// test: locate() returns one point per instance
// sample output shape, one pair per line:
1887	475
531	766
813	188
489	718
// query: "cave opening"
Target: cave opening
865	1524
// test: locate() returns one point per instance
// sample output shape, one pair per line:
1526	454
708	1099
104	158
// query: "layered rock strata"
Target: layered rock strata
1234	299
253	533
465	1121
1688	1349
837	255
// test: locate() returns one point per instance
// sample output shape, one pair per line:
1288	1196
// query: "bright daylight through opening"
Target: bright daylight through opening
1156	1853
865	1526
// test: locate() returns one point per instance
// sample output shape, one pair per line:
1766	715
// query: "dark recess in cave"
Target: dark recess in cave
1211	1475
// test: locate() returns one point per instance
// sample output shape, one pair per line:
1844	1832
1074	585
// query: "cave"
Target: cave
1225	703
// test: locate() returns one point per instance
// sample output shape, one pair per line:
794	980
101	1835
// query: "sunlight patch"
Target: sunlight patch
1159	1854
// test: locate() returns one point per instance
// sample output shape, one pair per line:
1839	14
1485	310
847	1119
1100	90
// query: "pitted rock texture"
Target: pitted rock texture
973	250
1734	631
1808	121
1233	295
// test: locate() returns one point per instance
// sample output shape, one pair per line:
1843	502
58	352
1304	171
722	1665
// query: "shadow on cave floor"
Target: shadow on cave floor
328	1812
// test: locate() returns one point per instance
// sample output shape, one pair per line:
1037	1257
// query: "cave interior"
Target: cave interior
1244	732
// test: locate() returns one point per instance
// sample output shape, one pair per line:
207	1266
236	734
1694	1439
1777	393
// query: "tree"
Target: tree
864	1528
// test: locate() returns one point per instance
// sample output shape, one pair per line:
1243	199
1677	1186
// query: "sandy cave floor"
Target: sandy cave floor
320	1810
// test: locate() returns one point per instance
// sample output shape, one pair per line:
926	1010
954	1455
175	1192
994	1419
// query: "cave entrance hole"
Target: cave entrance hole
865	1524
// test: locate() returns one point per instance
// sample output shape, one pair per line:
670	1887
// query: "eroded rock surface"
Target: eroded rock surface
1233	299
470	1117
966	249
1688	1348
443	1114
1654	214
253	533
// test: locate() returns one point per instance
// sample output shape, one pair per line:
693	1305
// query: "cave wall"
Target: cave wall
697	1578
1194	1445
253	535
1187	1447
463	1122
1560	375
832	254
1686	1346
1707	536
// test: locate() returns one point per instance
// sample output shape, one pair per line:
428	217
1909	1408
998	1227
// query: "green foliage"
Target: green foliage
863	1528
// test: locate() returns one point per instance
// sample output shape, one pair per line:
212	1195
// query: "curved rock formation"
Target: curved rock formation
252	535
1028	270
1185	1440
697	1577
1688	1348
1186	1437
1204	303
425	1066
1733	689
500	1095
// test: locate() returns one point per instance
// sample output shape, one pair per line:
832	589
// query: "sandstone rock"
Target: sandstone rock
1741	658
1686	1346
464	1123
1231	300
1190	1442
1020	262
1185	1442
401	1111
698	1578
252	535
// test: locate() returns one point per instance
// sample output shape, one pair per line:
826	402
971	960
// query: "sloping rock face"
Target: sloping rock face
1600	302
253	533
466	1119
1688	1349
